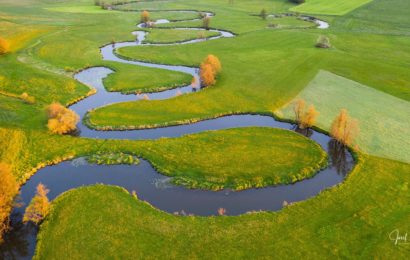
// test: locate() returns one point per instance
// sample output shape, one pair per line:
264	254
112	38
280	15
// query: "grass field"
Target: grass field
324	7
383	119
170	36
208	160
334	224
263	69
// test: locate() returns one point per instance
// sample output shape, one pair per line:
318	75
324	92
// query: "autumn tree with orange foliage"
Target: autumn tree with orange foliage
344	128
309	117
39	206
8	189
207	75
4	46
304	118
209	70
145	17
214	62
61	119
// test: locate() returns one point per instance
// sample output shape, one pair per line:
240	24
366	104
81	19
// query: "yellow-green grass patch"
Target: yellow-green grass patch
326	7
383	119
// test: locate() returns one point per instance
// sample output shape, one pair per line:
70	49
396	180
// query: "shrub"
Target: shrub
214	62
207	74
39	206
4	46
27	98
344	128
209	69
263	14
206	21
309	118
61	119
8	189
304	118
323	42
145	17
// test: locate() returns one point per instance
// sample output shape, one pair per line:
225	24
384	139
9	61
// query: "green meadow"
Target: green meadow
324	7
384	124
264	69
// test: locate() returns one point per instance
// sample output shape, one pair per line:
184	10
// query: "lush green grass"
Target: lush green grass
210	159
383	119
336	7
170	36
131	79
263	69
352	220
87	9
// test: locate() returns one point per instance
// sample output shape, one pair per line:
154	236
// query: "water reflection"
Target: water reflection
340	157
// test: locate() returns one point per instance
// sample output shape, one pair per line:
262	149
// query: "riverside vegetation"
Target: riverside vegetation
263	70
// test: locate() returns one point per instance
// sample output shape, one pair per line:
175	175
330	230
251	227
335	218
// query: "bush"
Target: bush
4	46
207	74
27	98
323	42
206	21
209	69
39	206
61	119
145	17
344	128
8	189
263	14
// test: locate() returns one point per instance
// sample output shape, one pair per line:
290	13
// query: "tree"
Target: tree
297	1
263	14
27	98
344	128
4	46
299	109
207	74
61	119
145	17
8	189
206	21
309	118
214	62
39	206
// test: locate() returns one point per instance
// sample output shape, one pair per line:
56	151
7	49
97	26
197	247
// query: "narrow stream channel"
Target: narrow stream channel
150	185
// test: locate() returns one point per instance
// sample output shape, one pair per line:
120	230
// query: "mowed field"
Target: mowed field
263	70
324	7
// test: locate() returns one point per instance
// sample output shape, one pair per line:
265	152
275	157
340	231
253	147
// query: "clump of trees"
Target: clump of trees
145	17
39	206
61	119
27	98
209	70
344	128
8	189
323	42
263	14
305	118
206	21
4	46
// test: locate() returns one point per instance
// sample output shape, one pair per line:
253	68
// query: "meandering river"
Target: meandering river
150	185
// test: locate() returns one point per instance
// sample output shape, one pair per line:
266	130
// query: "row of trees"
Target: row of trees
344	128
4	46
61	120
209	70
